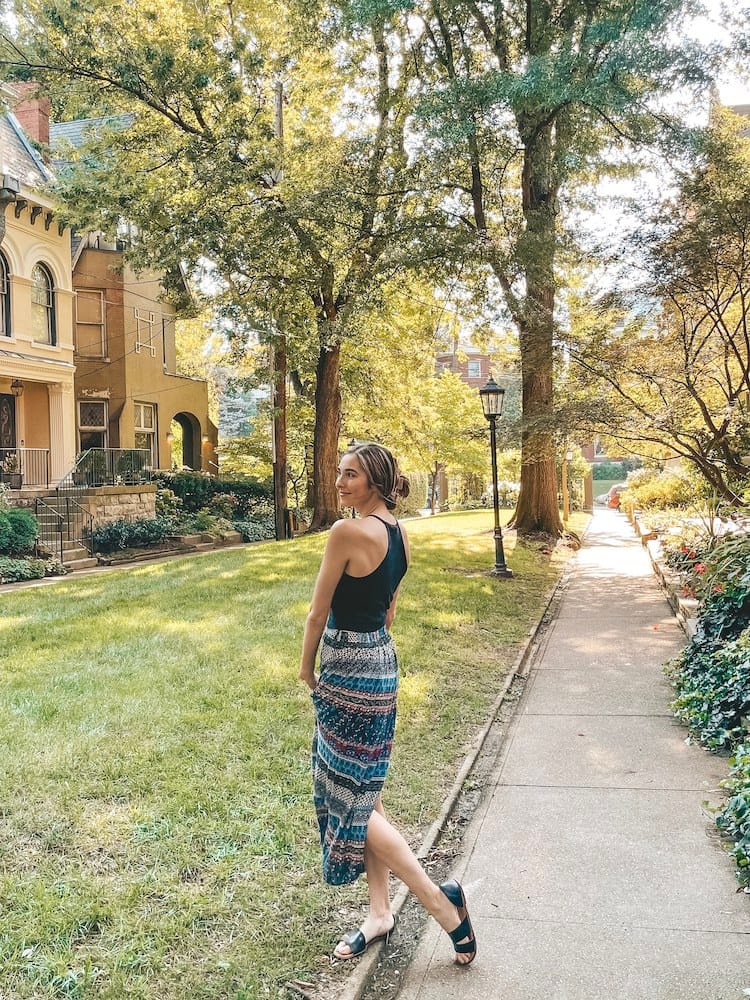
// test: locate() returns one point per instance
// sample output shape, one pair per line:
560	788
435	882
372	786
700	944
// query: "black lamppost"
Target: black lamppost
492	397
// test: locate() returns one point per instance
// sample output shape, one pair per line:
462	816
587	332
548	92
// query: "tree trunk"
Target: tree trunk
537	509
326	508
279	437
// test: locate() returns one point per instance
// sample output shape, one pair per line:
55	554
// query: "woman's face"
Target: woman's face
352	484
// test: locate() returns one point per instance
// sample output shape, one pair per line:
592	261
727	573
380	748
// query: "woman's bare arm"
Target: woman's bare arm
335	561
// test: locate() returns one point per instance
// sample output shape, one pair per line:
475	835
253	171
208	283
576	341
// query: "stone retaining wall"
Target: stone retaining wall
113	503
105	503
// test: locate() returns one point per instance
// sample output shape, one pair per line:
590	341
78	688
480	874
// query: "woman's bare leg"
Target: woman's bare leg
394	853
379	918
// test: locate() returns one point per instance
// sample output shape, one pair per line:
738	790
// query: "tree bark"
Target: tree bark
326	442
279	437
537	509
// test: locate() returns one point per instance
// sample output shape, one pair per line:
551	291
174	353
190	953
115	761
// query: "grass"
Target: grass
157	838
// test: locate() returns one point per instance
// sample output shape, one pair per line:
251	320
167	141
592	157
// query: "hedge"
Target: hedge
196	491
123	534
18	531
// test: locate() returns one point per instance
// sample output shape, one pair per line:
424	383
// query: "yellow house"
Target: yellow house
37	410
87	347
128	393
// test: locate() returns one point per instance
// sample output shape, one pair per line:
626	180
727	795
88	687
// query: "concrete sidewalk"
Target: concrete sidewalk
592	870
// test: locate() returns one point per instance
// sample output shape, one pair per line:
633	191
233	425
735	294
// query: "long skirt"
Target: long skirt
355	717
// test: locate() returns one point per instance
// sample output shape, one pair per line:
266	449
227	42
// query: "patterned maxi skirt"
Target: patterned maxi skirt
355	716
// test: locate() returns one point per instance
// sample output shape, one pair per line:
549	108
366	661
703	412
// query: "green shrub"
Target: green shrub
13	570
196	490
650	490
712	673
734	818
256	531
138	533
202	520
168	504
713	693
18	531
615	471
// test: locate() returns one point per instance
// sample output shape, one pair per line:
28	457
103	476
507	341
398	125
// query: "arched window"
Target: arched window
42	306
4	298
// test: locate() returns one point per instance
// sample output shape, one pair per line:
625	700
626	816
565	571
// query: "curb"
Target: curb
357	983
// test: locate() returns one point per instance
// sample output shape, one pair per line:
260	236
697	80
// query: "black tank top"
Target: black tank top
360	603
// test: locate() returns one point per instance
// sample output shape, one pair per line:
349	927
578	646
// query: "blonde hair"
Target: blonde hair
382	471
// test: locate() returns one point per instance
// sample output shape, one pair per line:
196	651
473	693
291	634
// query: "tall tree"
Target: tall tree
522	100
305	233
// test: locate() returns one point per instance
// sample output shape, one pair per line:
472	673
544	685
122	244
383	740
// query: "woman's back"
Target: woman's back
374	570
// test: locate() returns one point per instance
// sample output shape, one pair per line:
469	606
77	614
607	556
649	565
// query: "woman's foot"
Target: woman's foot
357	942
453	917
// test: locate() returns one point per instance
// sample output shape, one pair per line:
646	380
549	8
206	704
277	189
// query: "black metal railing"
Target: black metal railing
63	519
109	467
24	467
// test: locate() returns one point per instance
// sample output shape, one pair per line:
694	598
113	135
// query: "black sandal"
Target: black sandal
358	944
455	894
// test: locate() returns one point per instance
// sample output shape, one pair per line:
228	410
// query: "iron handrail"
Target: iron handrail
109	467
73	523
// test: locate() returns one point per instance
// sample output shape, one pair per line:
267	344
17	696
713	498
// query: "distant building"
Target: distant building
469	363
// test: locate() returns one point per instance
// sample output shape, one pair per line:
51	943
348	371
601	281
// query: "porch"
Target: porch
25	468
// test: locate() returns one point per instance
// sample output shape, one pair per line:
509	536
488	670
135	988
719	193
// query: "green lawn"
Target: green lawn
603	485
157	839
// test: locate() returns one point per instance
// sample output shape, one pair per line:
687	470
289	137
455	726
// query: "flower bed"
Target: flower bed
711	676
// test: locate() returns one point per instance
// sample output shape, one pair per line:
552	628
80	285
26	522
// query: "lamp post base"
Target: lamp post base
502	571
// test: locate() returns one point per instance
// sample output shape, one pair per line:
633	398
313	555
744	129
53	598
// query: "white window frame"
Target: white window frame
477	366
144	319
48	315
104	428
139	426
87	323
5	299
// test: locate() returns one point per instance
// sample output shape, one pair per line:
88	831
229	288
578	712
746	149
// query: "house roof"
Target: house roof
18	158
84	129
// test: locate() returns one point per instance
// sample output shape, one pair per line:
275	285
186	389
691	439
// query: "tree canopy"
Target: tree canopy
318	153
674	372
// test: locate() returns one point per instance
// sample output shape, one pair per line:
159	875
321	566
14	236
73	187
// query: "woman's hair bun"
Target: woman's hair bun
402	486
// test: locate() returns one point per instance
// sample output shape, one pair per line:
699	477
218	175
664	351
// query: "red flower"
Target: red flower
691	555
700	568
718	588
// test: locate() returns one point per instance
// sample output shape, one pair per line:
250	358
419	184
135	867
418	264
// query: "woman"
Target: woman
353	606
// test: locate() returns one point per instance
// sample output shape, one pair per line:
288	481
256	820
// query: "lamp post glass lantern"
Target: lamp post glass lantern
492	397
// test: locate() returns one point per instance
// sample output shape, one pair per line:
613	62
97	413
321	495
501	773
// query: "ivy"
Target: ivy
734	819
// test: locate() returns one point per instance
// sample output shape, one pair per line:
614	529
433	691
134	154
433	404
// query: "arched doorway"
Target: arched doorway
185	432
